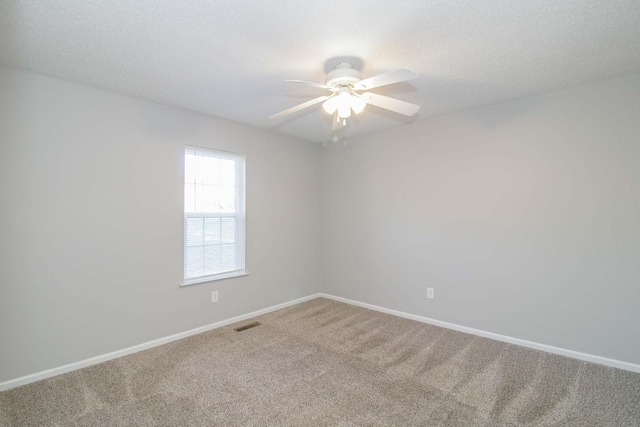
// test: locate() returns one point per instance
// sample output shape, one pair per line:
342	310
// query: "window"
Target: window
214	219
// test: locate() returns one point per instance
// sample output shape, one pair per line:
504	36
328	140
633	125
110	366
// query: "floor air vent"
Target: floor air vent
249	326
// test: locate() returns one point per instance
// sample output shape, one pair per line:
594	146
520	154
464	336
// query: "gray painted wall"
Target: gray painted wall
524	217
91	222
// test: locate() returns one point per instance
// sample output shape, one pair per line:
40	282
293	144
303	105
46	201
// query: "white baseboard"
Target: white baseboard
6	385
543	347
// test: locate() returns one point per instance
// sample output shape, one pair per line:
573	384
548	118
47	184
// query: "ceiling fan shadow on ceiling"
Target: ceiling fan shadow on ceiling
348	94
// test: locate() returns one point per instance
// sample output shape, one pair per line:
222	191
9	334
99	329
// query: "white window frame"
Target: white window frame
238	215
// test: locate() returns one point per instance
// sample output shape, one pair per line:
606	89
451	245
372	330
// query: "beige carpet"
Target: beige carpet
327	363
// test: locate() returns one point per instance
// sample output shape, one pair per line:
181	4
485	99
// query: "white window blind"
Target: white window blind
214	216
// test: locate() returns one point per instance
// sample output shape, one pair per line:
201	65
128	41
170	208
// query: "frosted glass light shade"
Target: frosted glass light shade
343	104
357	104
331	105
344	111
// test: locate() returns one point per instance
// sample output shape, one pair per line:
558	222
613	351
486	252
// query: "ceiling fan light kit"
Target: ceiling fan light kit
343	103
347	94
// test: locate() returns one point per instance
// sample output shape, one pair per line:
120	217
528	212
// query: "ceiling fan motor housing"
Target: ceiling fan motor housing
343	75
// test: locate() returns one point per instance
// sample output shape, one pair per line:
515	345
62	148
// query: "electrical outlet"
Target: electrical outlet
430	293
214	296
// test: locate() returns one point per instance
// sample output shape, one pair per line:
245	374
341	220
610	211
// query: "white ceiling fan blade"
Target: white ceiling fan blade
320	85
392	104
390	77
300	107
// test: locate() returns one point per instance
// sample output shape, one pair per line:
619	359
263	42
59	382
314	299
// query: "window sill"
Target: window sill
214	278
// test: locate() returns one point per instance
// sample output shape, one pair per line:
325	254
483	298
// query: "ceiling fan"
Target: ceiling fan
349	93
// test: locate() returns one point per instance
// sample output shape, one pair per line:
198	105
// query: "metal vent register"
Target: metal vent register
245	327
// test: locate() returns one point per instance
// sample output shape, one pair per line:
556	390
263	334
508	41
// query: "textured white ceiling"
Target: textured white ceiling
229	58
